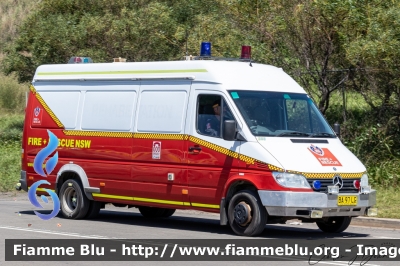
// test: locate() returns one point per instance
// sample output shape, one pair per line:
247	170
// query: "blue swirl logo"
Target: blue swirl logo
49	166
44	153
34	201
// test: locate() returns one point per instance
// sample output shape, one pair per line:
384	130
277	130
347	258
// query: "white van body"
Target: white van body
143	118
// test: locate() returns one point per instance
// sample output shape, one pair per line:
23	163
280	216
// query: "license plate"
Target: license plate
347	201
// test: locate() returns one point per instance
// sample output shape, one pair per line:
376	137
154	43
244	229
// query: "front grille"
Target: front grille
347	185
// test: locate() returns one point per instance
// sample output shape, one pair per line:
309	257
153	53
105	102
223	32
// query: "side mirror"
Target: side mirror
336	128
229	131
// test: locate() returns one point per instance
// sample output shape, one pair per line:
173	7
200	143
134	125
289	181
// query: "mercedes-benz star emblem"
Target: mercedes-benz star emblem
338	181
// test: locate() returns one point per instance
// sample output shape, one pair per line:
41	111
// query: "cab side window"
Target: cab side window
212	111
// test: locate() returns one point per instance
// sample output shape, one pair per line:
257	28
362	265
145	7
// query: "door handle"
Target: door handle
195	149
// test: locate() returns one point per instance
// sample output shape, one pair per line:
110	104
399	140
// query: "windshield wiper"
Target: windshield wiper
322	134
263	133
293	133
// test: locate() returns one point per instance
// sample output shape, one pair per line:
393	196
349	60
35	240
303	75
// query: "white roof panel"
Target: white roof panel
231	75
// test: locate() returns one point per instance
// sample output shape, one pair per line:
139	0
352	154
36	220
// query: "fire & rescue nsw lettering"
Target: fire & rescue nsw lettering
67	143
74	143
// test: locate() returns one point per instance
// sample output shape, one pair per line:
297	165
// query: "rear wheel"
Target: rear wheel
246	214
153	212
94	209
73	202
334	224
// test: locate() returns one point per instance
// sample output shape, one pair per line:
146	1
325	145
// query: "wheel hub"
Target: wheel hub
242	213
71	198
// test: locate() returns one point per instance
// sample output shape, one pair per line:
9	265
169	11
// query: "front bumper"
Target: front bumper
22	182
300	204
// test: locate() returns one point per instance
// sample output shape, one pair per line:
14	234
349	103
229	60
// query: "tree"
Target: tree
303	37
373	47
136	30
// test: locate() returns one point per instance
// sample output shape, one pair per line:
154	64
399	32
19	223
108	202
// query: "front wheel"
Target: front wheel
73	202
168	213
246	214
334	224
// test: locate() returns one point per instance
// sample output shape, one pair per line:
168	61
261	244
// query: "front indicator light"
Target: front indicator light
365	190
372	212
316	214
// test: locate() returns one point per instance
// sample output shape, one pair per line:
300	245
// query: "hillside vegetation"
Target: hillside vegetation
343	52
12	14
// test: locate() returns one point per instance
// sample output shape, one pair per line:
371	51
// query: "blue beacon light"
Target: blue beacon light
316	184
205	49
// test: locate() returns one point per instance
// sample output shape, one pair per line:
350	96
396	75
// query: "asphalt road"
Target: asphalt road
18	221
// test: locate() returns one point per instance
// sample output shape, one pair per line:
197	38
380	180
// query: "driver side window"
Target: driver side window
212	111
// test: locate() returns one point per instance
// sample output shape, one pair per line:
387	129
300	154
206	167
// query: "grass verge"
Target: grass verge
10	165
10	150
388	202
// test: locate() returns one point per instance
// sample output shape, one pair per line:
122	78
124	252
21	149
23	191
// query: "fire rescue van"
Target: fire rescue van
226	136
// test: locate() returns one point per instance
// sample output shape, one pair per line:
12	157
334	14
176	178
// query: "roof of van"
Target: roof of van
232	75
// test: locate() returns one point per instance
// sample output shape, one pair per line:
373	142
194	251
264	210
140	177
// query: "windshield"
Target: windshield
281	114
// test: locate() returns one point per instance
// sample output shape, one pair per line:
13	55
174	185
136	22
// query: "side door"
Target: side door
159	171
211	159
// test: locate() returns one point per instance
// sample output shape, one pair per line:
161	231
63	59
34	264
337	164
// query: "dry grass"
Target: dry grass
388	202
12	94
12	14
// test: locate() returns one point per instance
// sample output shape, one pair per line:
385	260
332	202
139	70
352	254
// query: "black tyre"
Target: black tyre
168	213
94	209
334	224
152	212
246	214
73	202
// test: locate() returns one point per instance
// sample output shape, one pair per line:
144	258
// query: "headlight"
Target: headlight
291	180
364	180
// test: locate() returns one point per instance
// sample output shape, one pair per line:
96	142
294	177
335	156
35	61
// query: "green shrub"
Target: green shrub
10	165
372	143
10	150
385	173
11	126
12	94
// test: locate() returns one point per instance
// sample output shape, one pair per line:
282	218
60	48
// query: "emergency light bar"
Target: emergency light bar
205	53
80	60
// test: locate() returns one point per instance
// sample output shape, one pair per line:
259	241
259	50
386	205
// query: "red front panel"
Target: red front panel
208	171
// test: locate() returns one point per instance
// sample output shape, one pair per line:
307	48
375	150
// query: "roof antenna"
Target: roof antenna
250	59
187	35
